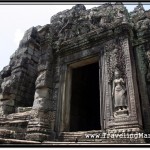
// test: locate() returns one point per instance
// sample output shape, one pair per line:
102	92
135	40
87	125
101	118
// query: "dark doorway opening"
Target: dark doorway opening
85	103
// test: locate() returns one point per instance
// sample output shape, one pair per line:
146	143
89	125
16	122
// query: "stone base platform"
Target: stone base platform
13	126
13	129
12	142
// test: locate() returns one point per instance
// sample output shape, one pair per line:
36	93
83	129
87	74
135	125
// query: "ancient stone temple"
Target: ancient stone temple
86	73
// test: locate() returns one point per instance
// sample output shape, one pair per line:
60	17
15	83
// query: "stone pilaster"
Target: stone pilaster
41	124
132	119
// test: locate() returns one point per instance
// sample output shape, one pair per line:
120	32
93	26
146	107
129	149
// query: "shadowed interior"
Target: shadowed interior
85	104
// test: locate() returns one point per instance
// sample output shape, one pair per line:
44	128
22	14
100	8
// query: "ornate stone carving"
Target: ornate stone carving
42	79
115	58
143	24
41	99
119	94
73	23
138	13
141	21
76	23
133	98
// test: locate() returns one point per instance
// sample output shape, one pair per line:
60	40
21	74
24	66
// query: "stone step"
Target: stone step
19	116
22	113
14	125
14	129
4	133
78	136
82	132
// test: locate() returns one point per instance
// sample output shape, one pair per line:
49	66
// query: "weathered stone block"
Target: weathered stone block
44	79
7	102
7	97
30	51
41	98
40	137
6	109
23	109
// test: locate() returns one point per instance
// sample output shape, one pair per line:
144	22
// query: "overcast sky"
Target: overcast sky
16	19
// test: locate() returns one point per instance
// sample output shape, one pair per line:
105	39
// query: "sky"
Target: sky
16	19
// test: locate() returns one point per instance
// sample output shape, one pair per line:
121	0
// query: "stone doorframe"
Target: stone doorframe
64	96
70	56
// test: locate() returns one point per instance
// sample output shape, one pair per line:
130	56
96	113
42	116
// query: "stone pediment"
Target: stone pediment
78	21
93	38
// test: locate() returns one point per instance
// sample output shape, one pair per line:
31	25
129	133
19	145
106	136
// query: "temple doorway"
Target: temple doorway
85	98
